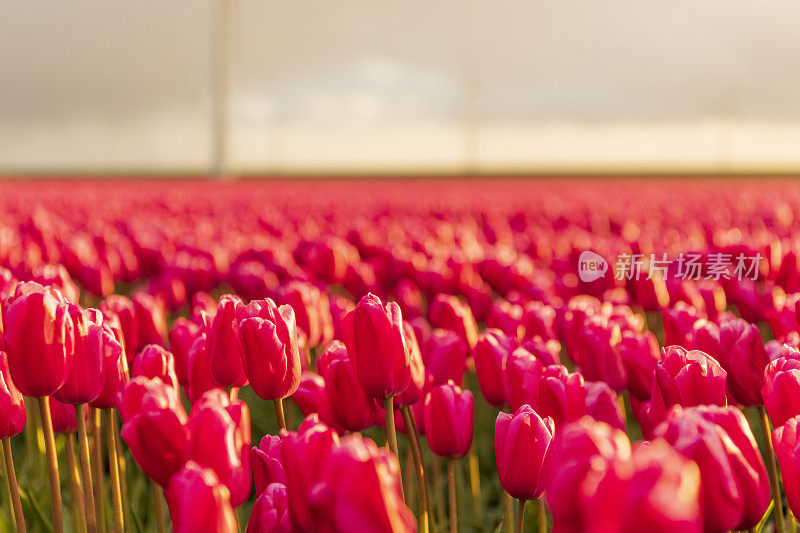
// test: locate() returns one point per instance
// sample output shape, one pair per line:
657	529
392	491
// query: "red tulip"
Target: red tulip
353	409
561	394
582	453
312	398
198	371
735	490
602	404
548	352
198	502
38	339
414	392
521	442
450	416
491	353
115	364
224	347
266	462
156	362
12	406
271	511
448	312
151	319
122	308
738	347
154	427
523	373
678	323
376	345
63	416
506	317
781	390
686	378
220	440
359	490
270	354
445	357
311	310
181	337
787	451
538	320
86	379
598	356
304	455
639	354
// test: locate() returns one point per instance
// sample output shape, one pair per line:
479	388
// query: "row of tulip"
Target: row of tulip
414	314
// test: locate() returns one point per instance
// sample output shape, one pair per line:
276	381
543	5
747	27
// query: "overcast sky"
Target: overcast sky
98	84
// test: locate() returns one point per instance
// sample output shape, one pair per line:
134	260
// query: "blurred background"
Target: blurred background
357	86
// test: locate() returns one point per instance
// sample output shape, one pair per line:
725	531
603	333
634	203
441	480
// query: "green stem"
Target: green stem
772	469
52	465
279	413
113	460
75	494
422	483
451	489
11	474
391	433
542	516
86	470
95	423
521	515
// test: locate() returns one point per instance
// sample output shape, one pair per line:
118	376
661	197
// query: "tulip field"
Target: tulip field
395	355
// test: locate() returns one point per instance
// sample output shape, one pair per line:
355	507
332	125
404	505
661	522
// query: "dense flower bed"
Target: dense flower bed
625	353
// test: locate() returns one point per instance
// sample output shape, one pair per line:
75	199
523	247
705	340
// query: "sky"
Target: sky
447	85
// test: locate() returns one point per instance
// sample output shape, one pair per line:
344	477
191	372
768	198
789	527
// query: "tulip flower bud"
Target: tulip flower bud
376	345
445	358
506	317
414	392
156	362
538	320
448	312
198	502
86	379
490	354
735	490
561	394
198	371
521	442
686	378
409	298
304	455
781	390
359	489
450	416
639	354
582	452
787	450
270	353
151	319
547	352
181	337
678	324
115	364
311	309
12	405
598	355
266	461
738	347
122	308
271	511
311	397
353	409
523	372
224	347
339	307
220	431
38	339
63	416
602	404
154	427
